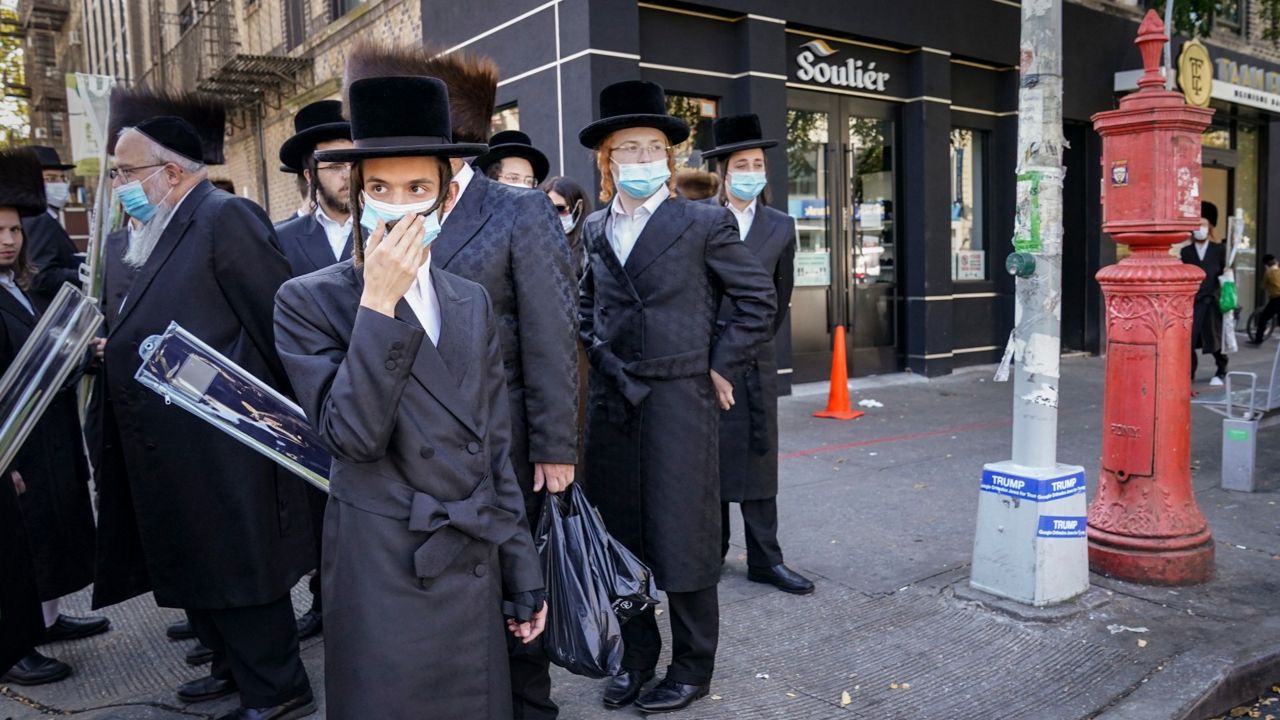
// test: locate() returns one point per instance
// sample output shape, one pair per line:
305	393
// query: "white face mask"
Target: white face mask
390	213
56	193
1200	234
568	221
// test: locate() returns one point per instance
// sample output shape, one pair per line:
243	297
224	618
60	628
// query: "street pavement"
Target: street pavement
880	511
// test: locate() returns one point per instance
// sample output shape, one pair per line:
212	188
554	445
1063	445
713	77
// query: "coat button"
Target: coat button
481	570
391	365
397	345
473	447
427	453
394	354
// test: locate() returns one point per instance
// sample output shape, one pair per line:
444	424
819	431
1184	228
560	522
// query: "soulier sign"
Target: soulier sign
854	73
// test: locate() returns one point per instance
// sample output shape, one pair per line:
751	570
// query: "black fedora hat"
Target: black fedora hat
292	171
513	143
400	117
633	103
49	159
21	184
734	133
315	123
1209	212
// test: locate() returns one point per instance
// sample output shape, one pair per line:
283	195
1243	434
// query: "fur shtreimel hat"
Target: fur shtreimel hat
472	81
21	181
1209	212
694	184
206	113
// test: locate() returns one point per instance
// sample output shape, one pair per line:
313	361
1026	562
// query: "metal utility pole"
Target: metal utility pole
1030	541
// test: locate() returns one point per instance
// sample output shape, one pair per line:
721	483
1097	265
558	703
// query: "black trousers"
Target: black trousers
1269	311
1219	359
257	647
695	633
530	668
760	525
317	500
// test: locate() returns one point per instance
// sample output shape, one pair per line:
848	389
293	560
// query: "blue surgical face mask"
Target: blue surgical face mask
389	214
746	185
641	180
135	200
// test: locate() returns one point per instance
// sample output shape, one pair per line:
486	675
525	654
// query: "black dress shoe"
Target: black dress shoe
180	630
199	655
623	688
73	628
670	695
205	689
310	624
783	578
36	669
299	707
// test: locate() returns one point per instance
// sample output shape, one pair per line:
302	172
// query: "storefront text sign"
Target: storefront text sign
818	63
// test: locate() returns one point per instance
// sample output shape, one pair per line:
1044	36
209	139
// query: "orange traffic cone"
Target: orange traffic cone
838	406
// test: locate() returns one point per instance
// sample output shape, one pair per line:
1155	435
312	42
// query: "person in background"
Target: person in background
50	475
1270	285
314	241
513	160
749	430
398	366
1206	253
658	265
573	206
52	252
697	184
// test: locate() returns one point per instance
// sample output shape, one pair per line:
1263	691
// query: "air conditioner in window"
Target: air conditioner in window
73	37
41	133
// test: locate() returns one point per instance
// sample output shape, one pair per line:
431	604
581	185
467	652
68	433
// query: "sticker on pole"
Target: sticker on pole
1033	489
1060	526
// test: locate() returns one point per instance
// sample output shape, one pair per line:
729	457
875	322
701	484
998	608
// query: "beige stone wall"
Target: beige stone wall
262	32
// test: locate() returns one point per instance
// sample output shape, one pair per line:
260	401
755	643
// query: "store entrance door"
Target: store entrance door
840	190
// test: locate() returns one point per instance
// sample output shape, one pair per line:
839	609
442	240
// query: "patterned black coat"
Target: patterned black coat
510	241
53	254
653	421
185	510
749	431
56	506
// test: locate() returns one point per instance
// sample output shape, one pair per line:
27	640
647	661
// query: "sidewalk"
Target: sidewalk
881	512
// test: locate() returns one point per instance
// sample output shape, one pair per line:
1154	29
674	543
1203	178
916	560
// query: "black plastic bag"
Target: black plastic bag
583	635
628	581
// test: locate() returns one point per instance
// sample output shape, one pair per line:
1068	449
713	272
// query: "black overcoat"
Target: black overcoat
185	510
749	430
56	505
653	420
53	255
116	277
510	241
306	246
425	529
1206	318
21	623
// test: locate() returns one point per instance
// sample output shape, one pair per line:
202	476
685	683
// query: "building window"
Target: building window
55	125
1229	15
505	118
968	195
338	8
700	113
186	17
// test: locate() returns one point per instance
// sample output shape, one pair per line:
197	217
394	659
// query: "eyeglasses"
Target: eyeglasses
634	151
335	167
116	172
562	209
518	179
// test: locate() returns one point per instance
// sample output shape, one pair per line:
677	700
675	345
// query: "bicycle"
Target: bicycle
1252	327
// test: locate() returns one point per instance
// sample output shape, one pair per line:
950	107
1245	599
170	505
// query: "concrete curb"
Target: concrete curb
1181	689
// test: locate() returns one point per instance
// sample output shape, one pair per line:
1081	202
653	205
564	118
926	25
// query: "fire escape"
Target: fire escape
40	22
200	51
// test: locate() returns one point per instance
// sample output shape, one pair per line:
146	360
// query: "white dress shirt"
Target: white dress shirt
623	228
1201	249
424	303
744	217
336	234
463	179
6	279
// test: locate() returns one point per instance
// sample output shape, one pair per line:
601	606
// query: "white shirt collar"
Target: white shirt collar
649	207
424	303
748	211
327	222
6	279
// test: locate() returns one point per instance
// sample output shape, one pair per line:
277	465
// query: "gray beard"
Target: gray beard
142	242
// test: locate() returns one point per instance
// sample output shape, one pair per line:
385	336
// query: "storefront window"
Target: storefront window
505	118
700	113
968	221
807	137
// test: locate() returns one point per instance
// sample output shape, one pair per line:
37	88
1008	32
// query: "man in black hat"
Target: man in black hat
513	160
52	252
511	242
1206	253
658	266
186	512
